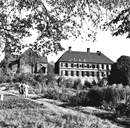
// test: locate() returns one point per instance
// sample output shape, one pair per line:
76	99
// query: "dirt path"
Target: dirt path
54	105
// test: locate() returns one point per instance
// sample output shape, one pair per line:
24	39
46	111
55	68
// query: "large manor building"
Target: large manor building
85	65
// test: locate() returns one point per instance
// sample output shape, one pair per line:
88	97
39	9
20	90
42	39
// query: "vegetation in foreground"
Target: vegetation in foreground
43	117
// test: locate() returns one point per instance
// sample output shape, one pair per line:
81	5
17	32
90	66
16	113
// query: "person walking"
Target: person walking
19	88
26	87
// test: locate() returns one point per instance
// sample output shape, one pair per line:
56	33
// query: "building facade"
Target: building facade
84	65
30	62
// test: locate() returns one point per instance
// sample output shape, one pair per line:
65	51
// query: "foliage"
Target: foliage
11	102
80	98
123	110
77	84
91	14
40	78
120	72
6	75
95	97
44	118
87	84
105	97
25	77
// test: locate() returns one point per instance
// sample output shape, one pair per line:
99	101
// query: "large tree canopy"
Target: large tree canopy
55	20
120	72
110	15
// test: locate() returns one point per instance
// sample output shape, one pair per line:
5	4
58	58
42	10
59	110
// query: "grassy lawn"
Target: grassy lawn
17	112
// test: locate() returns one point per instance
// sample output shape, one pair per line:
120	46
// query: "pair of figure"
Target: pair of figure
23	89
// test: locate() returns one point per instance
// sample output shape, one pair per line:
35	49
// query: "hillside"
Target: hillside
45	113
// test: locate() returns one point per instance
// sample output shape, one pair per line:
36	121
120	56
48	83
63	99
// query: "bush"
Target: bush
95	97
87	85
6	75
123	110
80	98
77	84
40	78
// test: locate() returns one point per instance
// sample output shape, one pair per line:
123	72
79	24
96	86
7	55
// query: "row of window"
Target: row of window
85	65
84	73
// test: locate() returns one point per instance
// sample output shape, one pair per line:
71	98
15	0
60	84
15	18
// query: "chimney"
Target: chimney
99	53
69	49
88	50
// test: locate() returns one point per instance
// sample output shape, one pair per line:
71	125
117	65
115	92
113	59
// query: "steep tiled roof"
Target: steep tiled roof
87	57
30	53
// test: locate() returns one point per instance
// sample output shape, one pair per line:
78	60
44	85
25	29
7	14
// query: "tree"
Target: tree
55	20
120	72
50	77
19	17
110	15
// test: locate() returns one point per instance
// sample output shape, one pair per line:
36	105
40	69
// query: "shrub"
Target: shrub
17	78
59	81
77	84
40	78
6	75
123	110
87	85
3	78
95	96
80	98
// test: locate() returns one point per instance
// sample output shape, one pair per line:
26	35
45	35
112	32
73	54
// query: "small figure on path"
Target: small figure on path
26	87
21	88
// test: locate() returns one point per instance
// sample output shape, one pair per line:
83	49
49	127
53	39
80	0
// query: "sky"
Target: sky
112	47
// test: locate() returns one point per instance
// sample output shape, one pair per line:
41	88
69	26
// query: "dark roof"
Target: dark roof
38	58
75	56
25	57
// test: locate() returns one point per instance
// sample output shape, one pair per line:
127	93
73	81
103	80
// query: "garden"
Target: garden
88	104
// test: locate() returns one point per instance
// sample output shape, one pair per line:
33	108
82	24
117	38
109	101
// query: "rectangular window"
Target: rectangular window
82	65
72	65
102	66
61	73
87	73
87	65
72	73
82	73
77	65
98	66
93	66
66	64
66	73
93	74
61	64
77	73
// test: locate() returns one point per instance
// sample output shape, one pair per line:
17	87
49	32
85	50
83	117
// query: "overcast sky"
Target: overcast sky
112	47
